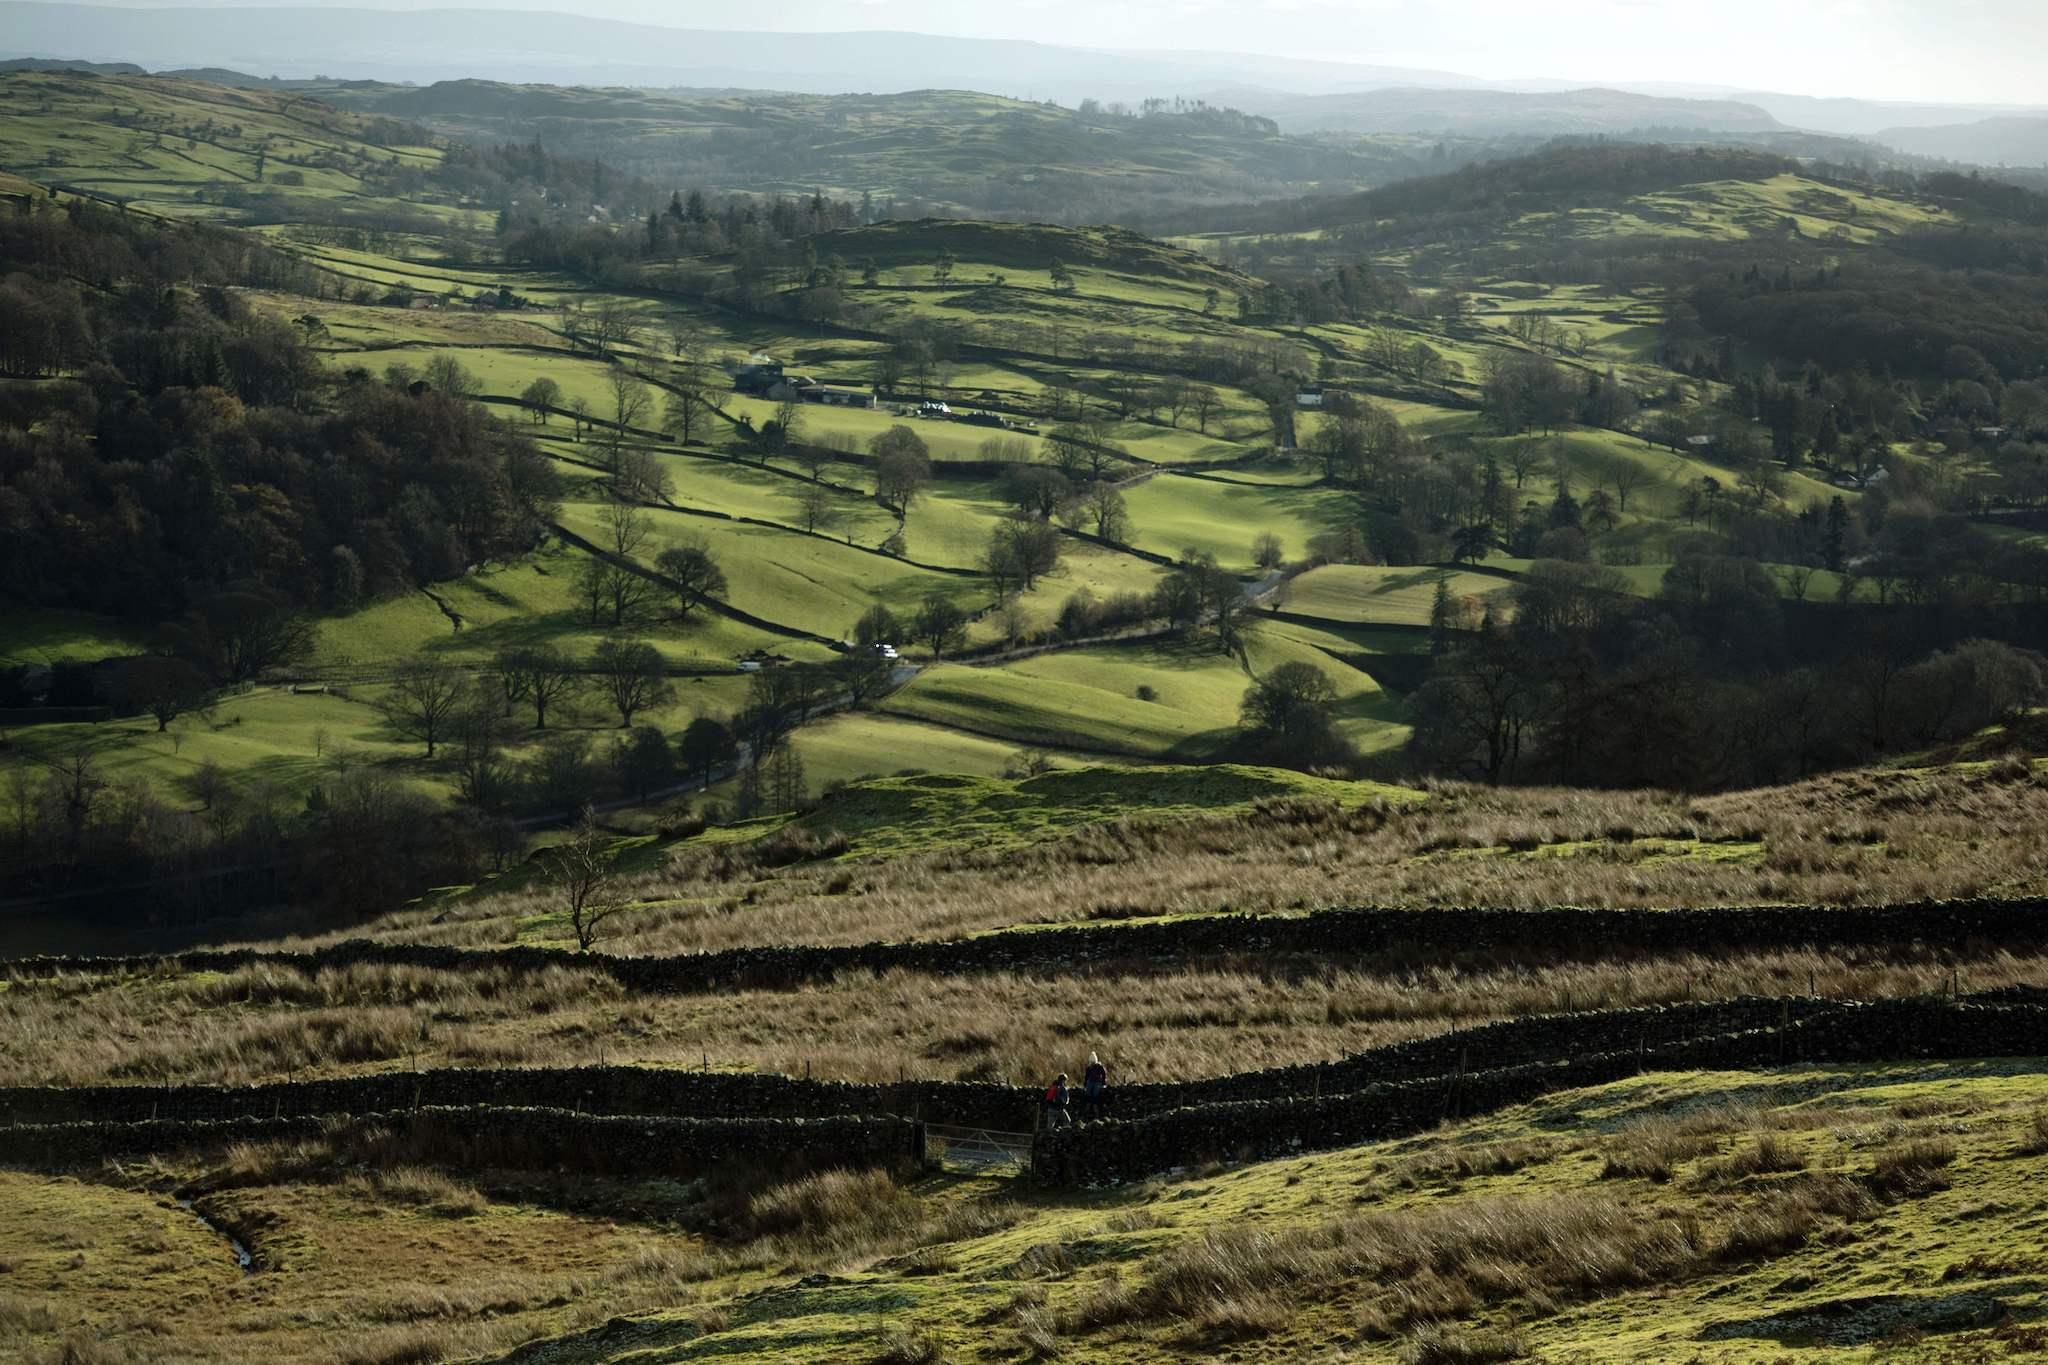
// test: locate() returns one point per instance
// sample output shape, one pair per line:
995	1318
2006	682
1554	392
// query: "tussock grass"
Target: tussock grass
1465	1162
426	1189
1653	1148
912	1347
2034	1134
21	1316
1417	1266
841	1217
1769	1154
1788	1217
1436	1345
1429	1271
1909	1169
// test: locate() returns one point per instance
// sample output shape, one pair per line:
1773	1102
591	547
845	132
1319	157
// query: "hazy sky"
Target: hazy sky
1966	50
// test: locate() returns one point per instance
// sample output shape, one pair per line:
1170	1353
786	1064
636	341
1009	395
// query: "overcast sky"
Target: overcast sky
1964	50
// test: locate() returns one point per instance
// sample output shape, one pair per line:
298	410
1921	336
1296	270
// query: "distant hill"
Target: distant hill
1864	118
2009	140
558	48
1501	112
1554	179
945	151
61	64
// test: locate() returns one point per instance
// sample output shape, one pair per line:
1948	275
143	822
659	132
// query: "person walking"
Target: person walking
1094	1081
1056	1115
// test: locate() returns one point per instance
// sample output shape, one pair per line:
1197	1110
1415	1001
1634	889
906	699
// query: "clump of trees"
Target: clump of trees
1703	686
189	456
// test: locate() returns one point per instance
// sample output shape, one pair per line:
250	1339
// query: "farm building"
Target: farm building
834	397
1311	397
758	379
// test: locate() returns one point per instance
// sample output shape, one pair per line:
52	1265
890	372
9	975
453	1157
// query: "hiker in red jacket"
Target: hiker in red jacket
1056	1115
1094	1081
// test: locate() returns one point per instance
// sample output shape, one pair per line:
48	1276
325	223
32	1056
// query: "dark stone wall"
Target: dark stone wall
688	1094
500	1138
633	1119
1340	933
1118	1150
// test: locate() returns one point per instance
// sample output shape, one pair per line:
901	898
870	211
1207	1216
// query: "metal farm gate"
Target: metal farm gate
981	1151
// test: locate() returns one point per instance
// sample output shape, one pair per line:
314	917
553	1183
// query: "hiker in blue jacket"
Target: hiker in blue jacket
1094	1081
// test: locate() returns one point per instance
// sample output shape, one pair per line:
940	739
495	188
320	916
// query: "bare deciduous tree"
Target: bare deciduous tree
540	676
633	676
582	867
630	402
686	411
626	528
692	572
424	702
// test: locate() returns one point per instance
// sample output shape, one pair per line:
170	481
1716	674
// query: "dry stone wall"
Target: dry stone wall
1453	933
486	1137
1117	1150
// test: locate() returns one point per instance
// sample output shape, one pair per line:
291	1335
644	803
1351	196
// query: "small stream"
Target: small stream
242	1256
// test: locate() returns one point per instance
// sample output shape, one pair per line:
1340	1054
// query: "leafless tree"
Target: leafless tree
541	676
630	402
686	410
1105	507
815	508
641	477
633	676
626	528
424	702
582	868
692	572
1626	477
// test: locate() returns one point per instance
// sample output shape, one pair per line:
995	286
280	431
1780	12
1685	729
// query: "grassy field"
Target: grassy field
272	741
1385	596
31	637
1142	700
1169	515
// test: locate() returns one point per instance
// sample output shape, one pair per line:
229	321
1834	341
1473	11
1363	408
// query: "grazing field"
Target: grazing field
276	743
1139	700
29	637
1170	515
1385	596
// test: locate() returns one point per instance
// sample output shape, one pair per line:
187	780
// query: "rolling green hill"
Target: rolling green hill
938	150
1180	359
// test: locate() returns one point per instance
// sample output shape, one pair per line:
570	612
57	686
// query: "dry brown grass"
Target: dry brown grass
1451	1165
1851	838
839	1217
1907	1170
2034	1134
1429	1271
424	1188
1769	1154
353	1264
1436	1345
1204	1020
1432	1264
912	1347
